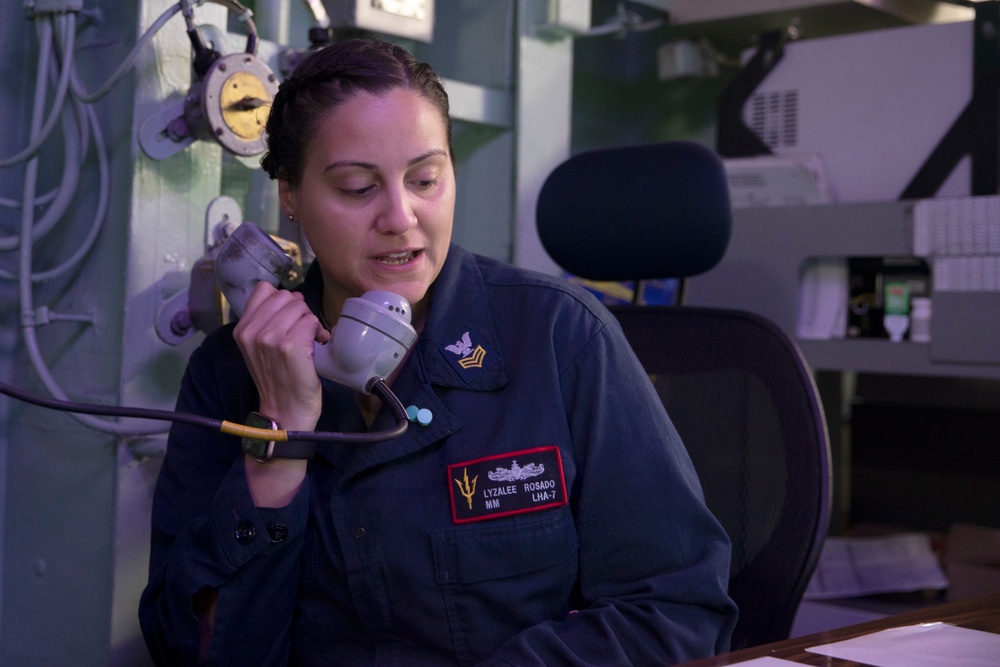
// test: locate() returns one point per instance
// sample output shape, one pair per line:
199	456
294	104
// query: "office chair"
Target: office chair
736	386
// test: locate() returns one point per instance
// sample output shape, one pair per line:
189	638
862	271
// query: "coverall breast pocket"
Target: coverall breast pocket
500	577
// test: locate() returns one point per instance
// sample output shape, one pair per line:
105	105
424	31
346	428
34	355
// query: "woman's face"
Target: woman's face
377	198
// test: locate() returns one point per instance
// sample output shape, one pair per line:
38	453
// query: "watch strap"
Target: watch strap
293	449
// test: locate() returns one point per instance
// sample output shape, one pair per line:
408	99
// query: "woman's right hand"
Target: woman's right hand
276	334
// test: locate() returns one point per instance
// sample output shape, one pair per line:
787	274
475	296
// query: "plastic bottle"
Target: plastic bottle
897	310
920	319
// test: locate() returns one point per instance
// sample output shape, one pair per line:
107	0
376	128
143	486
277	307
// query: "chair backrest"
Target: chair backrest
747	409
736	386
636	212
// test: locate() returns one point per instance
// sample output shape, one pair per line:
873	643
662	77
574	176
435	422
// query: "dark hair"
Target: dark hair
330	76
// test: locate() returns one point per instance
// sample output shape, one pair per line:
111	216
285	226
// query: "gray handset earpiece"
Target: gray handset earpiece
247	257
370	339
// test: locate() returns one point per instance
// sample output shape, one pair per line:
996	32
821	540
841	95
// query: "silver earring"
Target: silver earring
292	218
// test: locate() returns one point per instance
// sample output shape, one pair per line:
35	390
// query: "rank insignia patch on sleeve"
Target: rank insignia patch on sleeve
495	486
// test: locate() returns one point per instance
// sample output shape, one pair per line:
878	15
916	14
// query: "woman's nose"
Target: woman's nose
398	215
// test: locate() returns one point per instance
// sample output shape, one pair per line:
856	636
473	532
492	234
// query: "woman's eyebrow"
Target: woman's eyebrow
426	156
349	163
371	167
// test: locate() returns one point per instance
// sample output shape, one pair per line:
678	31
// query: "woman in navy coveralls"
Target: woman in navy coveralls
547	514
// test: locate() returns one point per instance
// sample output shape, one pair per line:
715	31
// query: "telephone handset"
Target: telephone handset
370	339
368	343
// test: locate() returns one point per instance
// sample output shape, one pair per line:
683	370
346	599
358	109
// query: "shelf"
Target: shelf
871	355
763	266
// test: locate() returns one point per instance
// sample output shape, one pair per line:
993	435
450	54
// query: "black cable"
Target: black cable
231	428
205	56
380	389
244	15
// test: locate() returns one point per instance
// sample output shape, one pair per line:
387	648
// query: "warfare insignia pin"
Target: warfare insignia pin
505	484
468	355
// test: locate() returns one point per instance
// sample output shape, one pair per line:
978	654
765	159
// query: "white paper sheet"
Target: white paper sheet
956	226
856	566
767	662
823	297
962	236
768	180
925	645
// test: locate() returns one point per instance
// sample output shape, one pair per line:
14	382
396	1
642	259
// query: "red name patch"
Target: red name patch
506	484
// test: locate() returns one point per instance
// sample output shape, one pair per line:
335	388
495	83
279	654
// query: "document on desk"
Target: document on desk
925	645
856	566
767	662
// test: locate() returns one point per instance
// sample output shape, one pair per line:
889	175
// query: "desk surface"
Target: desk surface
981	613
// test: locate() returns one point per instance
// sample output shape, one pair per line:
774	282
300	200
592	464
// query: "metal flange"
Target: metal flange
232	102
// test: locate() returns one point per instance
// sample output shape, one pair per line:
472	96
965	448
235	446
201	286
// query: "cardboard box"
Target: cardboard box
972	561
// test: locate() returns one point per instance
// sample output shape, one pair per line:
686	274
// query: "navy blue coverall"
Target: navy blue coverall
547	515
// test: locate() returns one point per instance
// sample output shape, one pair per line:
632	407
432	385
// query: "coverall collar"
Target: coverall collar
459	311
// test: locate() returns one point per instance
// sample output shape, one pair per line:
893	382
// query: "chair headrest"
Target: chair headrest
636	212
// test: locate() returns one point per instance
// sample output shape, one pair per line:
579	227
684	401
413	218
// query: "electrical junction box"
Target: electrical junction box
871	105
413	19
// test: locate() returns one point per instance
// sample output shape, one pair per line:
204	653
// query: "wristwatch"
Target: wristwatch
265	450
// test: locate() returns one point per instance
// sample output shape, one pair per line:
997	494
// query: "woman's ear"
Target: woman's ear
286	195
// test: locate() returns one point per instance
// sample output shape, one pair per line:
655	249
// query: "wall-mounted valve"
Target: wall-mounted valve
229	100
231	103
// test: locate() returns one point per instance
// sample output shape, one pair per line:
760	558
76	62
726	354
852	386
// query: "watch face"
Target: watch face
257	420
256	448
259	449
